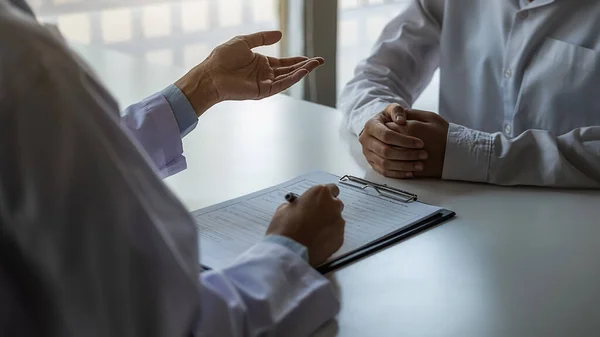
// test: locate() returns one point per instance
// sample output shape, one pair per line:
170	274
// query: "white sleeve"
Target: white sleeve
536	157
268	289
400	67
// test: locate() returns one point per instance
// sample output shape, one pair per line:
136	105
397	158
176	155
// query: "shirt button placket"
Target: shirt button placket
523	15
507	129
508	74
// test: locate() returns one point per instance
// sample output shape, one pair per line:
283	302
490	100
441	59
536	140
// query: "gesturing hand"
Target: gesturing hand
234	72
239	73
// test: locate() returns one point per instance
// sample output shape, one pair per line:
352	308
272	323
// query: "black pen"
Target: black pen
291	197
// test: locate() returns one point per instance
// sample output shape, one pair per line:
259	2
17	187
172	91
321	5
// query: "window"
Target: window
182	33
168	32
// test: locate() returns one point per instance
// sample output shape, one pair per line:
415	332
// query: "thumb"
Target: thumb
262	38
397	113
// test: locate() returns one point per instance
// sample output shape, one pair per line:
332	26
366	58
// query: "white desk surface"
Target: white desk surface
515	262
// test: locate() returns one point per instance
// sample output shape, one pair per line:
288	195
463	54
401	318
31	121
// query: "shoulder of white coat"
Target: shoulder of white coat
27	45
30	52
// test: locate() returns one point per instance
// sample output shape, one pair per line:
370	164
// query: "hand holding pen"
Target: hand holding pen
314	220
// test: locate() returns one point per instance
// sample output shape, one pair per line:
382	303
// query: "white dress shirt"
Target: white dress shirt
520	85
92	243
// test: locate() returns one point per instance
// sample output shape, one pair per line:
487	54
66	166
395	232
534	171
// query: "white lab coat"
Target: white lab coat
93	242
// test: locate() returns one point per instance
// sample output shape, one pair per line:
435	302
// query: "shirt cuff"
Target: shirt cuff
290	244
151	122
182	109
468	154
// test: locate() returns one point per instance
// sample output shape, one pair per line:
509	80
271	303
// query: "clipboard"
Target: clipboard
396	237
359	194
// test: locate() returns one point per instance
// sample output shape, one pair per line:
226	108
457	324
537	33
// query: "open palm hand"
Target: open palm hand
238	73
234	72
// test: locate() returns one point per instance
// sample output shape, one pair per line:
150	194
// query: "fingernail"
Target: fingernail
423	155
418	167
409	174
419	143
400	119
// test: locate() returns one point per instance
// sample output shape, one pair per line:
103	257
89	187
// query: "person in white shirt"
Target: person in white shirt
92	242
519	96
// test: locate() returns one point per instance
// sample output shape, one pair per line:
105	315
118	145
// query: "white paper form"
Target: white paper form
228	229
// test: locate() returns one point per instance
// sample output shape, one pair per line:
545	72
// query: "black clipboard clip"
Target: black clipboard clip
382	189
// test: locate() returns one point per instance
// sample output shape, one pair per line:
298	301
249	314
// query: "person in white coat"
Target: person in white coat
92	243
519	93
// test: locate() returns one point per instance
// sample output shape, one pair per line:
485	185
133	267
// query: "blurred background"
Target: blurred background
182	33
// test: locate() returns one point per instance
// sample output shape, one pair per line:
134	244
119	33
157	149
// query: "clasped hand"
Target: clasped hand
405	143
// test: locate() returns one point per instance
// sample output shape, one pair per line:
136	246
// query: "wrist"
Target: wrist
290	244
199	88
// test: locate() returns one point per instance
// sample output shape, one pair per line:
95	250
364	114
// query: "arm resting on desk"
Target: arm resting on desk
536	157
270	288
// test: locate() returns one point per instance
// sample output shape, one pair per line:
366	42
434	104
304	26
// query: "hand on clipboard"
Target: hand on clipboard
376	216
314	220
